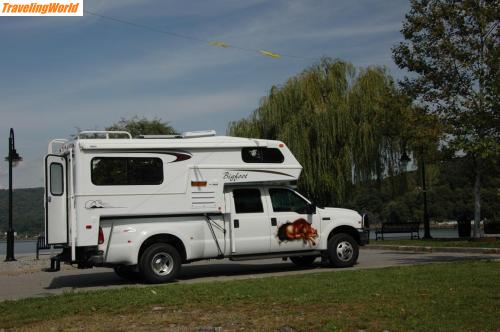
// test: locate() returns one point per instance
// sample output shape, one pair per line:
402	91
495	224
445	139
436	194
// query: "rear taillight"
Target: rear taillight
101	236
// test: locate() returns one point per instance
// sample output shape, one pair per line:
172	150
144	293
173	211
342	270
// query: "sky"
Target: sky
59	75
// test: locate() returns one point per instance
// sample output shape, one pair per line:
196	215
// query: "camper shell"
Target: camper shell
110	198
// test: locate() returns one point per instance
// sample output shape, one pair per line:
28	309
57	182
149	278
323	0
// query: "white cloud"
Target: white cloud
349	31
295	24
170	8
163	64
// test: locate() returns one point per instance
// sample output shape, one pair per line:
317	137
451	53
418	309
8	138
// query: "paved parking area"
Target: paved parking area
40	283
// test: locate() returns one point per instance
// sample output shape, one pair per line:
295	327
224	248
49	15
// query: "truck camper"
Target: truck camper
144	206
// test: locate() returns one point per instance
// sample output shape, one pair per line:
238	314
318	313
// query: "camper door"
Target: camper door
56	211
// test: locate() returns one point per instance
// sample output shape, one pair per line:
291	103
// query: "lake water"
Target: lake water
20	247
437	233
26	247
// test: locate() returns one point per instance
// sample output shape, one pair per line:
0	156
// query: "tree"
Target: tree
344	126
452	48
142	126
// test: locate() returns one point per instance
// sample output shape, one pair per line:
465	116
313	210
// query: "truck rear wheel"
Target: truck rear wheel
343	250
303	261
160	263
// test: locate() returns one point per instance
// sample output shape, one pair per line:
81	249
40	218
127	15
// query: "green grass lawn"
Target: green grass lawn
440	243
461	296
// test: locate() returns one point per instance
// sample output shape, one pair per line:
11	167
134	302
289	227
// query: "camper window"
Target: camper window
56	179
262	155
247	201
125	171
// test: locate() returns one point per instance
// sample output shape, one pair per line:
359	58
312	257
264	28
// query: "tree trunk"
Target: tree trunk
477	198
378	166
477	159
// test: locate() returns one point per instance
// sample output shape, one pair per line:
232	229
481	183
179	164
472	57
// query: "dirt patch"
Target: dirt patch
27	264
242	317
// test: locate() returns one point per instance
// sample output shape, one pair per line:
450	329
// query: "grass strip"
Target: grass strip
435	297
440	243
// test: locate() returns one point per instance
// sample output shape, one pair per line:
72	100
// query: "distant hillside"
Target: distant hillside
28	211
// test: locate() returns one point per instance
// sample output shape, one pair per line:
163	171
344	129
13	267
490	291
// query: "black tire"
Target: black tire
303	261
127	272
159	263
343	250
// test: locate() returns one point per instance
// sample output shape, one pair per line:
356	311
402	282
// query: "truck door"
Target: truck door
56	211
294	225
250	223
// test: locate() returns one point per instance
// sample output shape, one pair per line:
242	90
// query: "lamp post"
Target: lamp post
13	158
405	159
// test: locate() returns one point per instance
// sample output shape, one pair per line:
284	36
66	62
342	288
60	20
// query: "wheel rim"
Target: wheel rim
344	251
162	263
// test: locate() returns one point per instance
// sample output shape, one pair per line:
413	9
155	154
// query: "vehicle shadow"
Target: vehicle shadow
87	280
188	273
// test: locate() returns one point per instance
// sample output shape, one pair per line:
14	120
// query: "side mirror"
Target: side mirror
311	208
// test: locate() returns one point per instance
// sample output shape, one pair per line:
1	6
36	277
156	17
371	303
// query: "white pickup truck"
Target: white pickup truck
145	206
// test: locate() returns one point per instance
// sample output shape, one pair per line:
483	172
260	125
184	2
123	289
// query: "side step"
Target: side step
275	255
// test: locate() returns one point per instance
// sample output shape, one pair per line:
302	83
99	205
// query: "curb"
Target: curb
435	249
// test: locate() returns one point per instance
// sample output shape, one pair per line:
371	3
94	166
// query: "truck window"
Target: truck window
125	171
262	155
247	201
285	200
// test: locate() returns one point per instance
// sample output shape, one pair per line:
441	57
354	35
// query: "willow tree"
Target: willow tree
342	125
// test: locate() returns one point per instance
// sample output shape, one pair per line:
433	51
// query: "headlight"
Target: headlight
365	222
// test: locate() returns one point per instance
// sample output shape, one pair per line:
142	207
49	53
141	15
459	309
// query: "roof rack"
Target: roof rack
187	134
159	136
201	133
61	141
105	133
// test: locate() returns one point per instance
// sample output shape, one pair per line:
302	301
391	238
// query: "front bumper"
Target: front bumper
364	236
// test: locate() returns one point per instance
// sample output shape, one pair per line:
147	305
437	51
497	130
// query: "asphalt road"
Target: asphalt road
47	283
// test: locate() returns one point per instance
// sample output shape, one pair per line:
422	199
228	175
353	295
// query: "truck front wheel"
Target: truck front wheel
343	250
160	263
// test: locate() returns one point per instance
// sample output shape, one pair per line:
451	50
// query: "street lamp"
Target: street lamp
13	158
405	159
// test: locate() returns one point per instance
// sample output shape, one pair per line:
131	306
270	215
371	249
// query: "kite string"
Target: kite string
221	44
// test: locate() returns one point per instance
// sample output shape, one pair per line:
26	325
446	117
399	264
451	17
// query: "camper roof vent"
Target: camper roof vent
202	133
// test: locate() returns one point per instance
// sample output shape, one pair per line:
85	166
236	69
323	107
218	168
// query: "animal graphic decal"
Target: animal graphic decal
299	229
